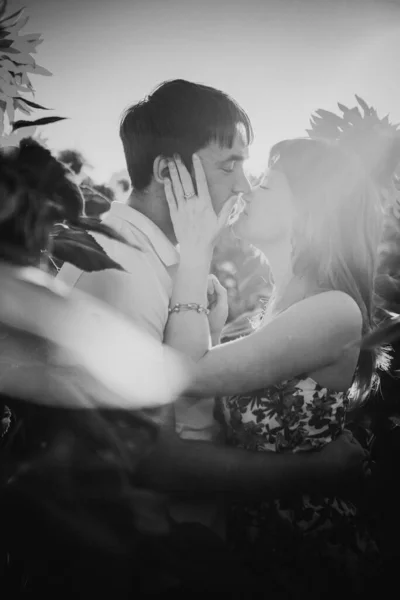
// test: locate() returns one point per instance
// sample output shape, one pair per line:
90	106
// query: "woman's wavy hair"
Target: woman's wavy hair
337	232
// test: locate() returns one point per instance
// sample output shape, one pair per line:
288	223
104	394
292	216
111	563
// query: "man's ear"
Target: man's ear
160	169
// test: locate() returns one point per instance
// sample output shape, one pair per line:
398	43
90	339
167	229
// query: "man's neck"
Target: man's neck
148	204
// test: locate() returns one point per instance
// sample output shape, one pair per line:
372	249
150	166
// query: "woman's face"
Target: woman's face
268	213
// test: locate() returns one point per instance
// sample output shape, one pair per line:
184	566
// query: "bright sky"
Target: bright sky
281	59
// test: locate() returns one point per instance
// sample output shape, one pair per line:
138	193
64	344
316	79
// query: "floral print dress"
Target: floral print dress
297	538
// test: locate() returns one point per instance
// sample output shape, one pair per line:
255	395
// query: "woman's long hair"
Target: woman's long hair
337	232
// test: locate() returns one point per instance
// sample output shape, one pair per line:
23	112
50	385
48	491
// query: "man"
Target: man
180	118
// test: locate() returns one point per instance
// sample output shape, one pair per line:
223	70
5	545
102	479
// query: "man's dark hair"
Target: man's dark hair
179	117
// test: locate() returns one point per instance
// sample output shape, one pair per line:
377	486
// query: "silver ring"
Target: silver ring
188	196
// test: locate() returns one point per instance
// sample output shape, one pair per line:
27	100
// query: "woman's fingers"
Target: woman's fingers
226	211
176	183
185	177
220	291
210	284
201	181
170	196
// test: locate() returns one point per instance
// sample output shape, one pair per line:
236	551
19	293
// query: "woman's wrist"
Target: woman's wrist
193	257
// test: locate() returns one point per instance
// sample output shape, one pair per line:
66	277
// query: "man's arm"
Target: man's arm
189	468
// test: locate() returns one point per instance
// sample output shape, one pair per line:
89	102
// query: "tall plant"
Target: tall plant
376	141
17	64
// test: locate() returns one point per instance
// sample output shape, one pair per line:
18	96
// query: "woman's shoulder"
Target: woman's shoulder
324	322
334	304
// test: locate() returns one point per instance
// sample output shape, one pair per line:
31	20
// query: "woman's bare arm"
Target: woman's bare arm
308	336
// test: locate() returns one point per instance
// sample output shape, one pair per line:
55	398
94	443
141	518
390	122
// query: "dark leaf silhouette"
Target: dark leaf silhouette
32	104
74	159
80	248
43	121
5	44
97	226
3	8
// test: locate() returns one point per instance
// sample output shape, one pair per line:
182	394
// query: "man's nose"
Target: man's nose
243	185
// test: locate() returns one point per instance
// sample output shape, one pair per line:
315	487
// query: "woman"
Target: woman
316	217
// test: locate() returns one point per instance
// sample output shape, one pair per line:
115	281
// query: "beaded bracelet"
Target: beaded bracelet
191	306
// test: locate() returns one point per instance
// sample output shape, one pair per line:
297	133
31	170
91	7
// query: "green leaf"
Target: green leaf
43	121
79	248
32	104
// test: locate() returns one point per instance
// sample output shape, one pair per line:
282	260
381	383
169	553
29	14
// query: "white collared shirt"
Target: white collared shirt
143	294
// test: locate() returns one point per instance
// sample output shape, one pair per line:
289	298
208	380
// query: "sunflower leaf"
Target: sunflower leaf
79	248
42	121
32	104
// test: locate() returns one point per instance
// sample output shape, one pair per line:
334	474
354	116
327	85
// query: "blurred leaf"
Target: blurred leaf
74	159
8	49
5	44
330	117
367	110
43	121
79	248
86	349
342	107
324	128
3	7
16	15
38	70
353	116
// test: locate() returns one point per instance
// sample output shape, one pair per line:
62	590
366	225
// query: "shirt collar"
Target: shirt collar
165	250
